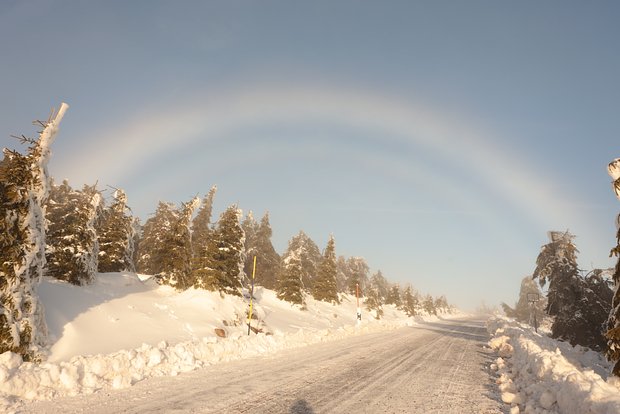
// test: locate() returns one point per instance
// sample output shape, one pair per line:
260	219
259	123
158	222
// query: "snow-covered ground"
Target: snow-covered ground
537	374
121	330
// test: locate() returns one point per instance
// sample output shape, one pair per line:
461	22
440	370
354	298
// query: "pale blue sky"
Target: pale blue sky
440	140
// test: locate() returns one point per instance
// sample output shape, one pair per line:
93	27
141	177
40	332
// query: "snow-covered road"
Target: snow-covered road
428	368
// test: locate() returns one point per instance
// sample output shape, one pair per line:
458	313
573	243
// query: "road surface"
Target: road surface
428	368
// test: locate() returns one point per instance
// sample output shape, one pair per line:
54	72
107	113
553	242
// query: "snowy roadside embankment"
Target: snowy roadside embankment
537	374
120	330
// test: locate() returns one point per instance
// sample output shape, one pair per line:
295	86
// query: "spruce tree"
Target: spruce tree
116	234
24	186
342	275
410	301
153	248
379	282
393	297
613	323
72	250
268	262
201	236
358	274
325	288
225	256
290	286
373	301
176	268
429	305
309	255
524	310
570	297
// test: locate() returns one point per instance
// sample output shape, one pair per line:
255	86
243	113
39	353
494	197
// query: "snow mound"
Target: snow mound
537	374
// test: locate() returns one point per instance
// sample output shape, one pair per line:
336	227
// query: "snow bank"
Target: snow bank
537	374
121	330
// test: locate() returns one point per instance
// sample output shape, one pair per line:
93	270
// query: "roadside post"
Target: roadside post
532	298
251	296
357	297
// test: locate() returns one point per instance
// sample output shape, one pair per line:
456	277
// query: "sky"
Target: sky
438	140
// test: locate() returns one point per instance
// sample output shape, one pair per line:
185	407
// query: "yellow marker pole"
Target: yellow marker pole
251	295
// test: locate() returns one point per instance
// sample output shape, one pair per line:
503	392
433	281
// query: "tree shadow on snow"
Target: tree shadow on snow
301	407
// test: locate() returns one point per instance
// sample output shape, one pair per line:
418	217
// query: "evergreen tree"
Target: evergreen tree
290	286
393	297
201	230
570	298
523	310
24	186
429	305
116	233
225	256
325	288
176	267
379	282
373	300
72	249
410	301
153	248
342	274
613	323
309	255
268	262
357	274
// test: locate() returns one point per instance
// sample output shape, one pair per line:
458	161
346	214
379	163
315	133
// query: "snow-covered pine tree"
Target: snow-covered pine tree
381	284
373	300
341	277
290	286
393	297
201	235
428	304
72	249
24	186
569	297
358	274
410	301
225	258
613	323
268	262
152	248
176	268
116	233
325	288
523	310
309	255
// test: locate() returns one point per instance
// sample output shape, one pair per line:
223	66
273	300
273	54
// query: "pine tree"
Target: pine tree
393	297
570	298
116	233
613	323
72	249
290	286
24	186
358	274
176	268
201	236
325	288
225	256
410	301
429	305
309	255
153	248
268	262
373	300
342	275
381	284
524	309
